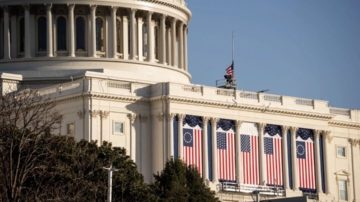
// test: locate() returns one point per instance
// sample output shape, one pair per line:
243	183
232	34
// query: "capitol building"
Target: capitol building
119	71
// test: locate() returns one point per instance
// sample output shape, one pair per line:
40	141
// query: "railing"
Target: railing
120	85
339	111
305	102
272	98
247	188
190	88
224	92
249	95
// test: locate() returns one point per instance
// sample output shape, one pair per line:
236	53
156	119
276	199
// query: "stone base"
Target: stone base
292	193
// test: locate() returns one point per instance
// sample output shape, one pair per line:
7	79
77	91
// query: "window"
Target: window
42	36
99	34
80	34
22	34
341	151
343	190
61	34
70	128
118	127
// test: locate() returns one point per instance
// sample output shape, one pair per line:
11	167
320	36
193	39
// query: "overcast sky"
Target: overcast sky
301	48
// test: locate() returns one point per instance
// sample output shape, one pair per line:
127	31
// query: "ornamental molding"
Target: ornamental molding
94	113
169	5
354	142
317	133
293	130
181	117
132	117
344	124
170	117
285	129
81	114
238	124
214	121
261	127
104	114
143	118
159	117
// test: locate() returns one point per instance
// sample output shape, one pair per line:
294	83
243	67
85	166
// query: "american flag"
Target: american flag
192	150
273	159
230	70
226	155
250	160
305	163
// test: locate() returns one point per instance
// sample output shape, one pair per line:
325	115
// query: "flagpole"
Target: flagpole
233	46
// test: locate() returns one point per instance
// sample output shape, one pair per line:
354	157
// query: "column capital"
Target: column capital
132	10
353	142
285	129
214	121
160	116
293	130
181	117
93	7
261	126
71	7
48	7
26	7
205	119
5	8
132	117
81	114
173	20
114	8
327	135
170	117
104	114
163	17
143	118
94	113
238	123
317	133
149	13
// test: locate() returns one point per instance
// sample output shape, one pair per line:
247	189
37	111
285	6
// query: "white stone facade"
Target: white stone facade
138	101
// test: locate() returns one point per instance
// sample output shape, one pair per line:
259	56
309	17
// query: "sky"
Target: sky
300	48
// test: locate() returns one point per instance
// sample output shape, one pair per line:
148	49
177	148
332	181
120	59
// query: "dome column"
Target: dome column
150	41
49	34
132	34
114	36
173	43
140	38
186	49
27	31
93	30
6	33
181	45
163	39
168	46
71	30
125	37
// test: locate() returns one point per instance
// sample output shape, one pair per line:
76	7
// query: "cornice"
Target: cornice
259	109
168	4
344	124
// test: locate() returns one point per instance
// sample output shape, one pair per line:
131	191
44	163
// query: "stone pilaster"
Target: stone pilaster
71	30
49	28
93	30
205	162
295	173
181	118
262	159
214	150
132	118
170	120
238	165
317	162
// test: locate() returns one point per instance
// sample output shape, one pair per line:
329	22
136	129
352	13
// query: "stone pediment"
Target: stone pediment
342	173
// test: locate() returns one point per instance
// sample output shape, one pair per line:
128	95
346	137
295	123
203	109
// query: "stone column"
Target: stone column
113	35
262	159
6	33
186	49
49	34
71	30
132	118
170	119
173	43
181	45
214	150
355	153
132	34
168	46
180	128
150	41
205	148
285	157
93	30
27	32
163	39
327	165
293	159
317	162
140	38
125	34
238	166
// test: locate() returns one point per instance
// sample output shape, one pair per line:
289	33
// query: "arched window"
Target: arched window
22	34
118	38
61	34
80	34
42	36
99	34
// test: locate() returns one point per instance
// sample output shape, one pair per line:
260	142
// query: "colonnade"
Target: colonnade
163	41
262	159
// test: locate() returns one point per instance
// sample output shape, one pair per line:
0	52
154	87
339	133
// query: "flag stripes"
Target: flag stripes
192	149
305	163
250	159
273	151
226	155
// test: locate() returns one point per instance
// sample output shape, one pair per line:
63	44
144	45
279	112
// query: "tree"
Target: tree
178	182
